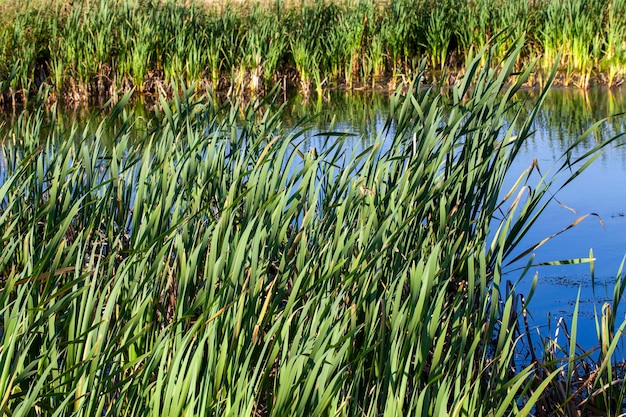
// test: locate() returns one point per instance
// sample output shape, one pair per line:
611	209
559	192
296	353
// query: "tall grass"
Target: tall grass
210	264
615	50
574	30
438	33
106	47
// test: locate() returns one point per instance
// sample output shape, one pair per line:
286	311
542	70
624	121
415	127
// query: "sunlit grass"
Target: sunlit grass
101	48
210	264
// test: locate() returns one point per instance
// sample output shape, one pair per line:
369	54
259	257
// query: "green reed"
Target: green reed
210	263
473	29
20	53
184	49
586	382
402	31
574	28
615	50
106	47
263	50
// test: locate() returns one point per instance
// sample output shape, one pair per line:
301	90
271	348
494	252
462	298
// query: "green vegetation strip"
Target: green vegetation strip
205	266
101	48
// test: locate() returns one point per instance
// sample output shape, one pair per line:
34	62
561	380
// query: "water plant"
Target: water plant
210	264
615	50
572	27
90	48
183	53
438	34
354	30
474	26
402	29
263	49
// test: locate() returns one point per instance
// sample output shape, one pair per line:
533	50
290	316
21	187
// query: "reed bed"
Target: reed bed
209	264
102	48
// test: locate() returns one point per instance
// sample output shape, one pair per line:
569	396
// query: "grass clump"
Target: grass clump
205	266
99	49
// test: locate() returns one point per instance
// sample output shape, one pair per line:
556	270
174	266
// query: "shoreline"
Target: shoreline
155	87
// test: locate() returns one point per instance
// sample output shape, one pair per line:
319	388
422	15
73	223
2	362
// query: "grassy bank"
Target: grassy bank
205	266
102	48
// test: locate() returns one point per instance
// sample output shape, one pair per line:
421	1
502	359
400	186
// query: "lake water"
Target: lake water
601	189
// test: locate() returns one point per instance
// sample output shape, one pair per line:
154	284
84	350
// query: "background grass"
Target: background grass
104	48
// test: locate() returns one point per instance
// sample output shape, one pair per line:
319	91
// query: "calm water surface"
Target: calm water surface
601	189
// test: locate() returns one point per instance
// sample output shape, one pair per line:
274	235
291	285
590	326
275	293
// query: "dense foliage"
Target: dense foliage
205	266
101	48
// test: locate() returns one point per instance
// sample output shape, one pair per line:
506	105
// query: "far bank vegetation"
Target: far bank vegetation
84	50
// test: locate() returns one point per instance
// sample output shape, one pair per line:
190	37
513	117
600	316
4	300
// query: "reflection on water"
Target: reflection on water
601	189
360	113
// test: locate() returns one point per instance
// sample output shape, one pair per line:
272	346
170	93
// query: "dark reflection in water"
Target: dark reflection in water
565	116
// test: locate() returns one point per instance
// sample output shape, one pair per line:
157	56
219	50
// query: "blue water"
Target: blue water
600	192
